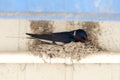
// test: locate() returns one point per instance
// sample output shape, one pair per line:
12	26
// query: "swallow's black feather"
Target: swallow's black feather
65	37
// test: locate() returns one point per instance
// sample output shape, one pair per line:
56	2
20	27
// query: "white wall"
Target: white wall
13	38
12	29
12	35
59	72
109	36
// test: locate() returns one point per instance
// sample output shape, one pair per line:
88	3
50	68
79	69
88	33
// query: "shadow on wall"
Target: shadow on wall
73	50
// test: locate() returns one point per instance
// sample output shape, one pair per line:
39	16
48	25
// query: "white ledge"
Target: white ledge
26	57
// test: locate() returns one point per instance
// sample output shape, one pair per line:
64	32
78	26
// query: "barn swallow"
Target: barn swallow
64	37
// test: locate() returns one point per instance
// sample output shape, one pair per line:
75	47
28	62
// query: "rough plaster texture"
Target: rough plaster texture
109	36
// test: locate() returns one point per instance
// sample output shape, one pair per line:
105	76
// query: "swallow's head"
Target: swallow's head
80	35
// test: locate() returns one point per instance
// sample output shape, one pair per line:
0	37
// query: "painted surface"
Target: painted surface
13	36
64	72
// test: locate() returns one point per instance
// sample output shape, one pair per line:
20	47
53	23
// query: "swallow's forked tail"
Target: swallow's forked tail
33	35
40	36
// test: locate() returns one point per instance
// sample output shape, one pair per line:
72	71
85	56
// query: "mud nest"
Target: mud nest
74	50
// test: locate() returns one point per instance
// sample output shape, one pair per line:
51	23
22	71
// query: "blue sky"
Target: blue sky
95	6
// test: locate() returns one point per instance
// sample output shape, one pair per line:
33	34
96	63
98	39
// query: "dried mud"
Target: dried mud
74	50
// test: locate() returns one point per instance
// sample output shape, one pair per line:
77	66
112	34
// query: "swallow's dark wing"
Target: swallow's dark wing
64	37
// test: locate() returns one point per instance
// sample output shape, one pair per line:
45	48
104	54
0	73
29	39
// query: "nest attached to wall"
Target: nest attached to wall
74	50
